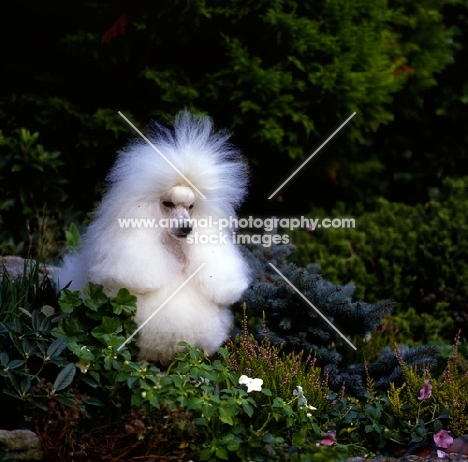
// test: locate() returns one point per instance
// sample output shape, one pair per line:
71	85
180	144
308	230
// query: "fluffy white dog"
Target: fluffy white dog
154	262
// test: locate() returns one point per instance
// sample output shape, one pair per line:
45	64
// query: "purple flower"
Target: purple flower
426	391
329	440
442	439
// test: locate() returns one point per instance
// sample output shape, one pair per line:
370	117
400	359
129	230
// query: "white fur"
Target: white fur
154	262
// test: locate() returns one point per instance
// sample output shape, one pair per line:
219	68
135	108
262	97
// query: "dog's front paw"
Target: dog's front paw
229	291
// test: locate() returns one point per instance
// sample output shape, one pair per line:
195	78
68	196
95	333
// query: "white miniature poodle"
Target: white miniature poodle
153	262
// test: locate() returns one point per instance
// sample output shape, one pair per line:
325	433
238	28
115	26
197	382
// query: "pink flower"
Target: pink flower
329	440
442	439
426	391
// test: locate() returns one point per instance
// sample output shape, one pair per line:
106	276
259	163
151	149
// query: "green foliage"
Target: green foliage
36	348
72	366
78	357
292	323
281	372
273	295
28	291
281	73
32	192
450	389
426	142
72	236
414	254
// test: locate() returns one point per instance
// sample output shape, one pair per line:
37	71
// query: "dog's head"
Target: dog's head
176	207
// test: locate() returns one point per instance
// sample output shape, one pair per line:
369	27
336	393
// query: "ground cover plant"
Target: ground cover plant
61	366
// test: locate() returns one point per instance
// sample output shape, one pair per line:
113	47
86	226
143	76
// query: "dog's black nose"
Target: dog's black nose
185	230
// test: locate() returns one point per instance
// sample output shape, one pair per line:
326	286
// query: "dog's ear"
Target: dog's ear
131	256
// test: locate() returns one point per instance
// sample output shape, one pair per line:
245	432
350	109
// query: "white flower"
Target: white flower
202	381
301	399
252	384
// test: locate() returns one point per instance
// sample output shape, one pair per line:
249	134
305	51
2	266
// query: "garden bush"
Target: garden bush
290	322
282	75
415	255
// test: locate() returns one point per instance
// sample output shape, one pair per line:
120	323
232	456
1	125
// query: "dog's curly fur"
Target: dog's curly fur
154	262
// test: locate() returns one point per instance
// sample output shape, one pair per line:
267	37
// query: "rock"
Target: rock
459	446
413	458
14	266
20	445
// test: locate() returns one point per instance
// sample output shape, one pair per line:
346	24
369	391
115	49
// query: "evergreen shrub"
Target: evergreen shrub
289	322
282	75
416	255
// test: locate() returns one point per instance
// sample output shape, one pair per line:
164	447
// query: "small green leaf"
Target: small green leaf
15	364
73	237
221	453
107	332
48	311
56	347
26	312
4	358
205	454
69	300
65	377
444	414
225	415
82	352
299	438
124	301
95	297
26	384
248	409
36	320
